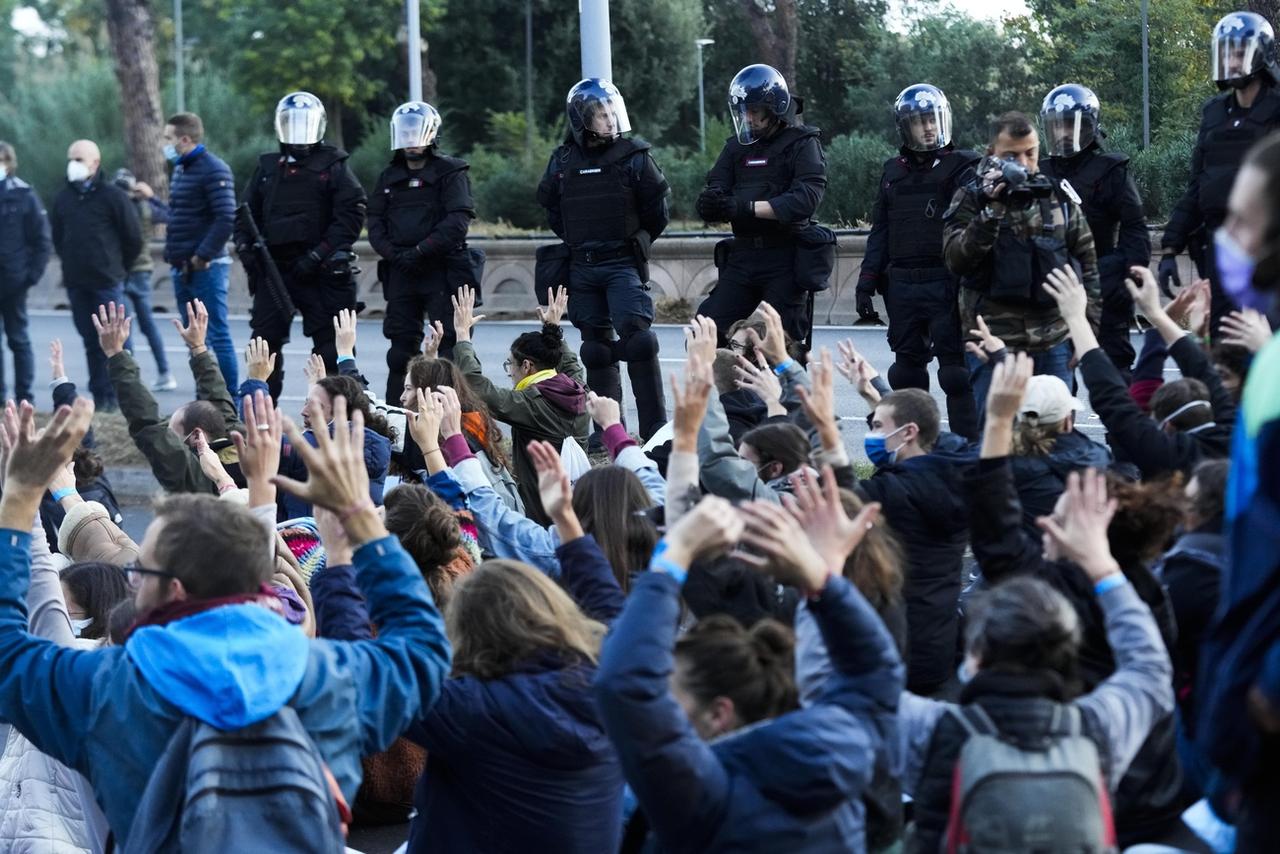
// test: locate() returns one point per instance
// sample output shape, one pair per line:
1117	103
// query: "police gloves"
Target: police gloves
309	264
715	206
1167	274
866	308
407	260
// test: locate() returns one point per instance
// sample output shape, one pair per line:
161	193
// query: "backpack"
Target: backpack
1047	797
260	788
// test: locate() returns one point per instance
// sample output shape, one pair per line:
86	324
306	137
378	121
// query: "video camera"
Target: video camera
1020	186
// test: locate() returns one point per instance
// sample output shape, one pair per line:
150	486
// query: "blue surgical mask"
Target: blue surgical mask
171	153
1235	269
78	626
874	445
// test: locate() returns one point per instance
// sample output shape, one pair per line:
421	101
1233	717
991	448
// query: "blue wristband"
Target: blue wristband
60	494
781	368
342	359
1111	582
660	563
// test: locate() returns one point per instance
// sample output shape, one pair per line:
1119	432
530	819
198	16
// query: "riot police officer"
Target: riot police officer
1069	118
310	209
904	253
607	200
1245	67
767	183
418	219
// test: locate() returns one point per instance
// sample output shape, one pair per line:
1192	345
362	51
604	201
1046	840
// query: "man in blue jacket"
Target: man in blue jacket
206	644
24	251
202	213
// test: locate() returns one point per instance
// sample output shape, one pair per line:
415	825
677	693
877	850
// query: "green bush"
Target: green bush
854	165
237	135
1161	173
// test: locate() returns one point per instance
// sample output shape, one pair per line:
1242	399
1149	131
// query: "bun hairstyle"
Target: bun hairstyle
544	348
755	668
429	532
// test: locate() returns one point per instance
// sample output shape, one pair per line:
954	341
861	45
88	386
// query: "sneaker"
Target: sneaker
165	383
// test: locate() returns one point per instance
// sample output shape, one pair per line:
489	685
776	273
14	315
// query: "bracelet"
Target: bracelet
659	563
225	488
342	359
426	451
59	494
1111	582
781	368
355	509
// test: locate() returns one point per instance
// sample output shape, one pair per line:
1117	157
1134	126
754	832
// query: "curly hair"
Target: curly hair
87	466
755	668
427	373
351	389
1147	512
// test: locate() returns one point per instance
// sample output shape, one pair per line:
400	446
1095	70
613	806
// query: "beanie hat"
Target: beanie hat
303	539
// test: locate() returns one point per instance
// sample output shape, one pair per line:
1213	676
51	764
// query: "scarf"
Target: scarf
180	609
534	379
473	426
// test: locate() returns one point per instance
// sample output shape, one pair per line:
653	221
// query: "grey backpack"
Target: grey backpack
1048	797
260	788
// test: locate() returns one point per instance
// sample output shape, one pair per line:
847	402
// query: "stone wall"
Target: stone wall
681	268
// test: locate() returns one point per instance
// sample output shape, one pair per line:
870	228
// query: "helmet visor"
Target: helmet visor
300	125
1236	57
751	122
1068	132
603	118
414	130
926	129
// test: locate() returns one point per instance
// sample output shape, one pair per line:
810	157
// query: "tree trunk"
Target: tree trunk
773	24
1269	9
133	34
333	135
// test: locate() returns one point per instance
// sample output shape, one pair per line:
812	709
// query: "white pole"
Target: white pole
597	51
180	77
1146	81
415	50
702	97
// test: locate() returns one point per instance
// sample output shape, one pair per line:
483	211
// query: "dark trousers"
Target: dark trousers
84	305
410	301
318	299
13	314
1117	317
750	277
606	298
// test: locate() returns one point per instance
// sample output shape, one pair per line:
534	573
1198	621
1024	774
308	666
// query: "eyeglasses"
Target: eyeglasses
506	365
737	346
135	571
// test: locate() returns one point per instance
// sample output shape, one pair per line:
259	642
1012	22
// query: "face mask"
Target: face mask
77	171
874	445
171	153
4	172
78	626
1235	269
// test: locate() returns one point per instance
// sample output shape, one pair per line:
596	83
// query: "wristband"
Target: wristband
342	359
226	487
660	563
355	509
781	368
1111	582
60	494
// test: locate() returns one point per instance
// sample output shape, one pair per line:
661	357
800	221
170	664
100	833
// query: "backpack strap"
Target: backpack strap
974	720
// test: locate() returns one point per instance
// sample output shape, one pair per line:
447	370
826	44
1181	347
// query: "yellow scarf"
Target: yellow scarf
534	379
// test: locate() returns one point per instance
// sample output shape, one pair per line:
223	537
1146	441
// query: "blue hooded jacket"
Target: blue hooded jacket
109	713
789	784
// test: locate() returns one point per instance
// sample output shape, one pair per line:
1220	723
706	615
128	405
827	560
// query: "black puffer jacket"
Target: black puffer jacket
1040	480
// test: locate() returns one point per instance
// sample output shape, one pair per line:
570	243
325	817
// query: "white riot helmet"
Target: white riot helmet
300	119
414	124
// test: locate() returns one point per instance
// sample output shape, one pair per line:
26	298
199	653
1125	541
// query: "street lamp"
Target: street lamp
179	63
702	105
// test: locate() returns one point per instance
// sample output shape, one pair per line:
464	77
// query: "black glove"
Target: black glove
309	264
714	206
1167	274
407	260
744	209
866	307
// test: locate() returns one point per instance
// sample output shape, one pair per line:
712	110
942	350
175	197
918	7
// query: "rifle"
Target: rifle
270	273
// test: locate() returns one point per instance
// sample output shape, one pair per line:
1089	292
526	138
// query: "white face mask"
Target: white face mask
77	171
4	171
78	626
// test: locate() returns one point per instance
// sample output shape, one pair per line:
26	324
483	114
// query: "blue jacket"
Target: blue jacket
789	784
25	242
109	713
202	208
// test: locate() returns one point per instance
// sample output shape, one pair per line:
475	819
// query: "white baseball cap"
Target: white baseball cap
1048	400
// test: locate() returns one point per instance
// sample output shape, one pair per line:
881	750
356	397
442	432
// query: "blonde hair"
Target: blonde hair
506	611
1035	438
875	566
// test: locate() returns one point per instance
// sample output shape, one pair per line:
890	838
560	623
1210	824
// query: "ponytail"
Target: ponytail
755	668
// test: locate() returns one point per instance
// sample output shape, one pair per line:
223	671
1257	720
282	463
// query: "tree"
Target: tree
1269	9
132	33
773	24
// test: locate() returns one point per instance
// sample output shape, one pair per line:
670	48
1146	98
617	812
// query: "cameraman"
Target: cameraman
1004	232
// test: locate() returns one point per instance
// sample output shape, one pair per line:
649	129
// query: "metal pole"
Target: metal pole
528	79
415	49
1146	81
597	50
180	77
702	99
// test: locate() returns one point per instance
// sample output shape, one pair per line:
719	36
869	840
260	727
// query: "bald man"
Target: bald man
97	236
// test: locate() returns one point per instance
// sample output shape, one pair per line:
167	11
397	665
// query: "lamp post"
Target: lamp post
702	98
1146	81
413	27
179	77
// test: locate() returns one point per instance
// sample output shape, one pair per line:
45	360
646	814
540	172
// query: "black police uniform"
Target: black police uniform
418	221
903	261
1227	131
310	205
789	171
1113	209
608	204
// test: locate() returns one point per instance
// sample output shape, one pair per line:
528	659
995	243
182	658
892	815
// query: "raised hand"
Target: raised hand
344	332
817	507
557	305
55	359
431	340
774	343
854	367
781	547
761	381
193	334
1141	284
1064	286
450	411
259	446
1008	387
464	316
604	411
1079	529
819	402
987	344
424	426
710	528
260	361
690	405
337	548
35	458
314	369
210	464
112	326
553	481
1246	328
700	339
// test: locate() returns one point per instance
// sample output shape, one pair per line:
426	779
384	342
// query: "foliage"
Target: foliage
859	160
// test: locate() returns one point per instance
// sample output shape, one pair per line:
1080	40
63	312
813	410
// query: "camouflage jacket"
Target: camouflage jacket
968	240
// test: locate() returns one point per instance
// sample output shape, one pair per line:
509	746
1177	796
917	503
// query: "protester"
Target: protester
25	246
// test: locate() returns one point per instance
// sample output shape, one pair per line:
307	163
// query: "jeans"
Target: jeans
137	287
84	305
1052	362
13	312
210	287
